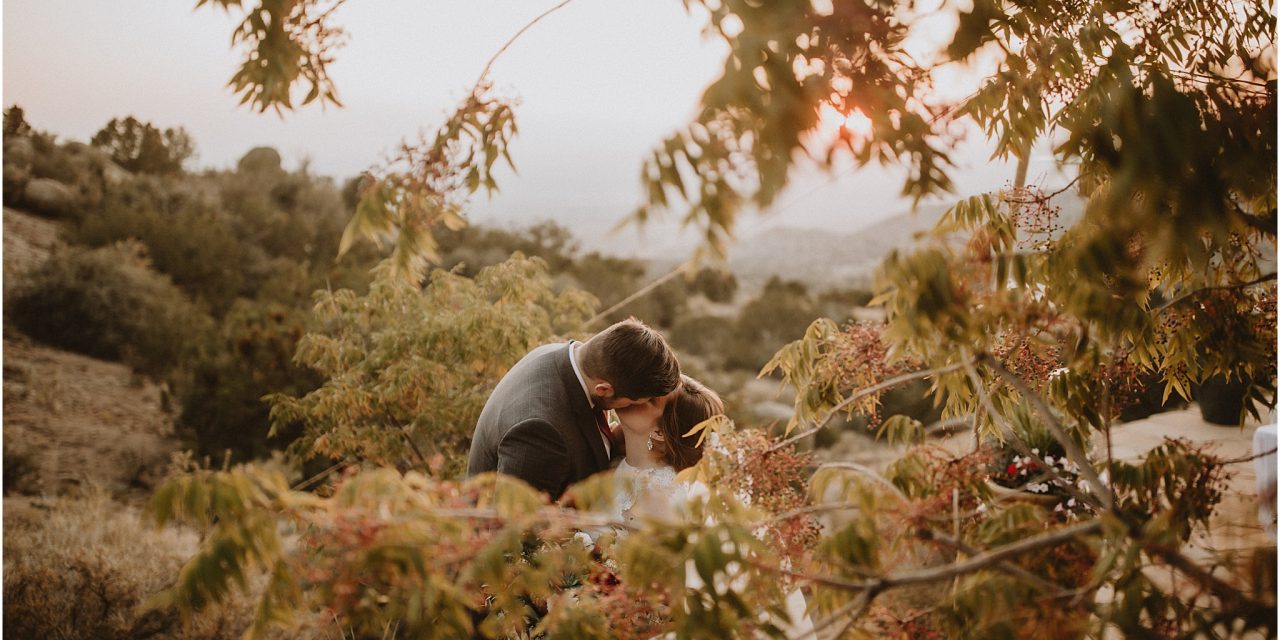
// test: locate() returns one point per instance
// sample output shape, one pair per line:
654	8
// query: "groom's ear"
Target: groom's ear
603	390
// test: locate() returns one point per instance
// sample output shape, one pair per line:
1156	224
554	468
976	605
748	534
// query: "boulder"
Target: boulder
113	173
49	197
97	158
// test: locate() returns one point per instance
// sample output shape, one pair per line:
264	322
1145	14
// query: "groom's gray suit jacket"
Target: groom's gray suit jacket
538	426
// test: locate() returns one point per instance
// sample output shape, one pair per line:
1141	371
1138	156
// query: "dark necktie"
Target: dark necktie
602	423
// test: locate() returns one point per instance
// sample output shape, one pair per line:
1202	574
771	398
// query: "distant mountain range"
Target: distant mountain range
823	258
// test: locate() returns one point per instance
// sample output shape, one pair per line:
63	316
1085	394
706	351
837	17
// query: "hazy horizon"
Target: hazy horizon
600	83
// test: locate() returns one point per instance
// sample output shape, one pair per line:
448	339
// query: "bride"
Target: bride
656	450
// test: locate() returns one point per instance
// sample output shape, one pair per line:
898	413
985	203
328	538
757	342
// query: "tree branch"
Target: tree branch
641	292
862	393
1250	458
977	562
1265	224
1022	447
1206	579
1073	451
1014	570
1047	197
812	509
1226	287
866	471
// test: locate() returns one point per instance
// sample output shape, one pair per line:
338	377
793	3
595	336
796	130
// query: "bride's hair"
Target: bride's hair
692	404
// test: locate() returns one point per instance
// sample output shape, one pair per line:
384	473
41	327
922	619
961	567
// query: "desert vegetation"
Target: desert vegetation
328	402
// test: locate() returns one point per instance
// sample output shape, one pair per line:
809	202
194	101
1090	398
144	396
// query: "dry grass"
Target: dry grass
83	566
80	567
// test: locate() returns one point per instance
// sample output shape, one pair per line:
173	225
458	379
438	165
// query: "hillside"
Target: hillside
823	259
71	420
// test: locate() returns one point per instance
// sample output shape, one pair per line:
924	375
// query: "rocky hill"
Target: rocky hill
70	420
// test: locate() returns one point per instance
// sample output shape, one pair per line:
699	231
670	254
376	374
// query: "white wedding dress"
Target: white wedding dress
654	492
644	491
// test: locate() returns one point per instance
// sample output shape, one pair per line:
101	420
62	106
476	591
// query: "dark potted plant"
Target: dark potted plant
1222	399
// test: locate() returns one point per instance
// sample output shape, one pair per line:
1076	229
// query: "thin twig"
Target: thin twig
1045	198
1051	421
984	396
305	484
1226	287
835	616
862	393
488	65
866	471
413	446
1189	568
642	291
1014	570
1250	458
977	562
812	509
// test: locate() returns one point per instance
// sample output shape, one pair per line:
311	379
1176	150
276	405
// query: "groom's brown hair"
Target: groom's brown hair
633	358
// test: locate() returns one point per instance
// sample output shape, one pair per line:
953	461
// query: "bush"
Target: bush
50	179
250	357
839	304
108	303
407	369
21	474
15	122
183	237
705	336
780	314
716	285
477	247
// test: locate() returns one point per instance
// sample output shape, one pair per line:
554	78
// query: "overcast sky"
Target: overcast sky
600	82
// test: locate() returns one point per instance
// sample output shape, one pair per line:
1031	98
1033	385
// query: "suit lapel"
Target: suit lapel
583	415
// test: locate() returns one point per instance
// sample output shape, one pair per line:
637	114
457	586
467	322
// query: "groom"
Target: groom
544	422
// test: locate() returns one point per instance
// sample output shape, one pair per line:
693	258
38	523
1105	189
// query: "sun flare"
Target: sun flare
833	124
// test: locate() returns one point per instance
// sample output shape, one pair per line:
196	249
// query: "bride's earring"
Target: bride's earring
653	435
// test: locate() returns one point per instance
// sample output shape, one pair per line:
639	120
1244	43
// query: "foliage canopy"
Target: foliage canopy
1167	112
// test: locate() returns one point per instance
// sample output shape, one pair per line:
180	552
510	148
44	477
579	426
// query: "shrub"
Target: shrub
781	313
250	357
477	247
839	304
407	370
50	160
706	336
20	470
47	178
716	284
108	303
15	122
261	161
184	238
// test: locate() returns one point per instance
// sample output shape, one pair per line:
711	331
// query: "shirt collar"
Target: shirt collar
573	360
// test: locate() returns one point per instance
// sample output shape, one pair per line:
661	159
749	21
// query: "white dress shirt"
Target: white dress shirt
573	360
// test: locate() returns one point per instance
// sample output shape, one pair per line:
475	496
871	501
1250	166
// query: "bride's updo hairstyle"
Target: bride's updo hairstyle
692	404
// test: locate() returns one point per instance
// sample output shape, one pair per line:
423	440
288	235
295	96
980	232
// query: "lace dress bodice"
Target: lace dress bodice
634	484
